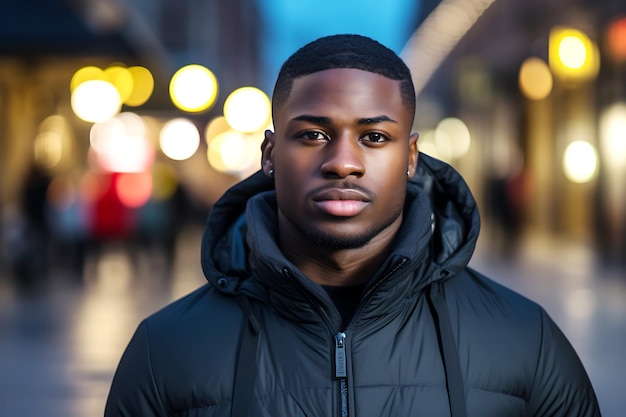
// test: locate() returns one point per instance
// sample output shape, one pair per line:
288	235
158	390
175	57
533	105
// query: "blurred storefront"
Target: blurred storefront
539	88
525	98
72	175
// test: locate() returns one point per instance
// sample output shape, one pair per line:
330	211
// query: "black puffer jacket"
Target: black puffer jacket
431	337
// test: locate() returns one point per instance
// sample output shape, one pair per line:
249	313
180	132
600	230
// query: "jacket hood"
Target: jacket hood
439	233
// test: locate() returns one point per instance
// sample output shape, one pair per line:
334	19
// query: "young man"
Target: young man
338	277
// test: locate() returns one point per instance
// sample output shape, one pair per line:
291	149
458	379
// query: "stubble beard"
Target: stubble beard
332	242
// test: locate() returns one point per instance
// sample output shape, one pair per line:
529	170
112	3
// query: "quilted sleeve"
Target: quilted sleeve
561	386
133	391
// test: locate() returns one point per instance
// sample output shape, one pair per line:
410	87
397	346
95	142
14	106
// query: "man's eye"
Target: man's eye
312	135
375	137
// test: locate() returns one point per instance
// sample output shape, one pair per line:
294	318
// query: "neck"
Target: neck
346	267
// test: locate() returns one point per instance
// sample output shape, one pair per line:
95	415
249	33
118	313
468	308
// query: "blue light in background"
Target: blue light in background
286	25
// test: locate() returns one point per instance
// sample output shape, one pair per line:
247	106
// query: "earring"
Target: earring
408	173
271	172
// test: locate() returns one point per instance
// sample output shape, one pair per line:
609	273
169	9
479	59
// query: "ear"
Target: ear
413	155
267	148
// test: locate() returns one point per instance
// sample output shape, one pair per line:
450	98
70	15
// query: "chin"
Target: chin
334	241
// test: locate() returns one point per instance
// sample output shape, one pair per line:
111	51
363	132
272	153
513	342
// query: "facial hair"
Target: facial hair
333	243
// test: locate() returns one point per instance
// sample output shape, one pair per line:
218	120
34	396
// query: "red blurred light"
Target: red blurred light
617	39
134	189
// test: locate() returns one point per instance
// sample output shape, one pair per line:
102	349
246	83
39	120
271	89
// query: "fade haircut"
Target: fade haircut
344	51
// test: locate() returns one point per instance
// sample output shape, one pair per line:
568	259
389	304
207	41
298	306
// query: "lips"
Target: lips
341	202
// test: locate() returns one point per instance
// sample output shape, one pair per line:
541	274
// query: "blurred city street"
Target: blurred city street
118	133
60	345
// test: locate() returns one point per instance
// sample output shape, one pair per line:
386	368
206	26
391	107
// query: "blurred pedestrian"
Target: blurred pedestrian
31	237
338	277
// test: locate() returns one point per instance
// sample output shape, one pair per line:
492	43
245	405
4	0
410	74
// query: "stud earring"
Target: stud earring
408	173
271	172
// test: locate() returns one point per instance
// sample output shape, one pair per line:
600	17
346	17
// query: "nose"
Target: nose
343	158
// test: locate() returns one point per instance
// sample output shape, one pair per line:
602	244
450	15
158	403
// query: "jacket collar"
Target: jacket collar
437	239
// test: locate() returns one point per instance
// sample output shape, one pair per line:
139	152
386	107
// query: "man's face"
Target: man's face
340	154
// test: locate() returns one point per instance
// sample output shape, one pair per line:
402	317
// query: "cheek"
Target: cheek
289	186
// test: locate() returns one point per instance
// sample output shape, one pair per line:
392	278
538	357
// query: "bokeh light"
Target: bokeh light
88	73
580	161
535	79
616	39
215	127
179	139
121	144
572	52
143	86
95	101
52	143
121	79
427	145
48	148
613	135
193	88
247	109
231	152
452	138
572	55
134	189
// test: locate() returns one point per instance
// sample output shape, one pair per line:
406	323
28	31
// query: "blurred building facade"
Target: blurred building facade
43	43
517	163
466	57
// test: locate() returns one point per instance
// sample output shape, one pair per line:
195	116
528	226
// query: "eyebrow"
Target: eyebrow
326	120
374	120
320	120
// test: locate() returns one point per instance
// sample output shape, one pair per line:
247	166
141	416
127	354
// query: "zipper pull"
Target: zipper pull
340	356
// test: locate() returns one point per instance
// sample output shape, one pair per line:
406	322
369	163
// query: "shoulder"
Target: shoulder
502	329
197	319
192	345
482	294
185	350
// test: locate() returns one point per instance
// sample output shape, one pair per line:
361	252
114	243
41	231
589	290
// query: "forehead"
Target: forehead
344	90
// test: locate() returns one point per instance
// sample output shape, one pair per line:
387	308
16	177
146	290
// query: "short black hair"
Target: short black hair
344	51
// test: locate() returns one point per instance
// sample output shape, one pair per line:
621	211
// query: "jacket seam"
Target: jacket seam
152	378
539	354
508	394
398	386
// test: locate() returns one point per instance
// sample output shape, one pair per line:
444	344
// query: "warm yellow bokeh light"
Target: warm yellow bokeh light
247	109
572	55
535	79
179	139
193	88
215	127
580	161
452	138
86	74
427	144
53	142
95	101
143	86
48	148
613	135
121	79
231	151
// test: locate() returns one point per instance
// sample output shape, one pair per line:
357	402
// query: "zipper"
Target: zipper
380	281
341	370
341	373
